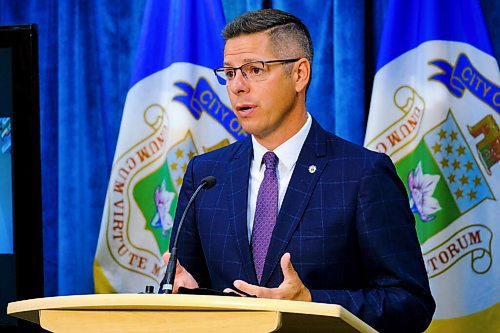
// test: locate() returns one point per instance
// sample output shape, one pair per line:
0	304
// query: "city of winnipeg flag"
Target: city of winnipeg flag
175	109
435	111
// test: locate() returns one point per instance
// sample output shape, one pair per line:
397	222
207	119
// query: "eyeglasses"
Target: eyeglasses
252	71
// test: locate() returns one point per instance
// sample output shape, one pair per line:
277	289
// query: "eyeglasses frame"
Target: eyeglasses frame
263	62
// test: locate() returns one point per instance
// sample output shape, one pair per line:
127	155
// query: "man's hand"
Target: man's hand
182	277
291	288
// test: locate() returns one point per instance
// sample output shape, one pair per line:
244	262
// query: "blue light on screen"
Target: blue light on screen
6	219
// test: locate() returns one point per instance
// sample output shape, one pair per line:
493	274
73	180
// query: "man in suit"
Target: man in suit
298	213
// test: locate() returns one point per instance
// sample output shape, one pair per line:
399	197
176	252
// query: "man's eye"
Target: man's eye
256	70
230	74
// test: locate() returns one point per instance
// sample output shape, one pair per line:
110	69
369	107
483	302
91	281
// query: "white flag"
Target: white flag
175	109
435	112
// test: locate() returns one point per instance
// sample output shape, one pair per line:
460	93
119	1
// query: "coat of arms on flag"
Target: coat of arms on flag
435	112
175	109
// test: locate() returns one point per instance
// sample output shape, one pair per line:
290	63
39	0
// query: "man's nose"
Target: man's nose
239	84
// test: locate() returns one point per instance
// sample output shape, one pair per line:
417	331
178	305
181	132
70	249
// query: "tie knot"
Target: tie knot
270	160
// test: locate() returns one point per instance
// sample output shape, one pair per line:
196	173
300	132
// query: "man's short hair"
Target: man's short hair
289	36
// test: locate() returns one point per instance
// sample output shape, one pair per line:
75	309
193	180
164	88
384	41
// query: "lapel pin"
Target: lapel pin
312	168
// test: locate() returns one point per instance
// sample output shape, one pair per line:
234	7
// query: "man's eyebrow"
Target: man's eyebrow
245	61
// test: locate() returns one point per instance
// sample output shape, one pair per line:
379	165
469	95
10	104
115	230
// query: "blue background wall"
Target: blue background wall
87	52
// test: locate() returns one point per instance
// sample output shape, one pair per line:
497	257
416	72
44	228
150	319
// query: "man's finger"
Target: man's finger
177	284
229	290
287	267
166	257
178	268
251	289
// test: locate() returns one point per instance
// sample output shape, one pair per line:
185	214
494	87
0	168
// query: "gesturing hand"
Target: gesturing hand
291	288
182	277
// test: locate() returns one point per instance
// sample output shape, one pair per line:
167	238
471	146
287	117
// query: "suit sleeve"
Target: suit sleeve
397	296
189	249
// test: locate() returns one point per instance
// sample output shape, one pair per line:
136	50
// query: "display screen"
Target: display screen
6	218
21	261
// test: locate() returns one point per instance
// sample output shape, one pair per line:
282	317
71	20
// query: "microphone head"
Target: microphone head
208	182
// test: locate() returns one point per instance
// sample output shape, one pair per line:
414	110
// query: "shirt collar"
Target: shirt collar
288	152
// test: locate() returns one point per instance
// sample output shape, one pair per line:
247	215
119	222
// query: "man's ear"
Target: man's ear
302	74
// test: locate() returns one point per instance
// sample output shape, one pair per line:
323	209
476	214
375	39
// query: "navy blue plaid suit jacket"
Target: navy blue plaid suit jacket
347	226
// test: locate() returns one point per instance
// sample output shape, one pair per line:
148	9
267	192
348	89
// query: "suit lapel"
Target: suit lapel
239	173
308	168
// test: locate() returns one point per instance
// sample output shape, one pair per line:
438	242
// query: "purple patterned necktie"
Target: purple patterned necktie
265	213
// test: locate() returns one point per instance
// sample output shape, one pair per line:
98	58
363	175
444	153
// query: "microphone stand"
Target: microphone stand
167	284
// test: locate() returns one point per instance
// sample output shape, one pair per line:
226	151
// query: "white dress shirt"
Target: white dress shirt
288	153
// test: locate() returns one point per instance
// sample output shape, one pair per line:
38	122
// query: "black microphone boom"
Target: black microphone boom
167	284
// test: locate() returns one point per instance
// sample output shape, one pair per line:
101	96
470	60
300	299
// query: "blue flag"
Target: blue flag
175	109
435	111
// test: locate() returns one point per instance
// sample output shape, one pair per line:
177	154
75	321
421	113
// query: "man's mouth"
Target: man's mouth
245	109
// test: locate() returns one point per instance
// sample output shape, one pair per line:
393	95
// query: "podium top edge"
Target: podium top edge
177	302
154	302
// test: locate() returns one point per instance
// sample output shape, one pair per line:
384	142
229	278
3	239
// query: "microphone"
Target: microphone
167	284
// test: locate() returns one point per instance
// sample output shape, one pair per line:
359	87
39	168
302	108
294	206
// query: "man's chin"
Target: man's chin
251	130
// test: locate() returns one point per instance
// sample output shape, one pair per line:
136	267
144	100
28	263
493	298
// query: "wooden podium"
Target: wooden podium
183	313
